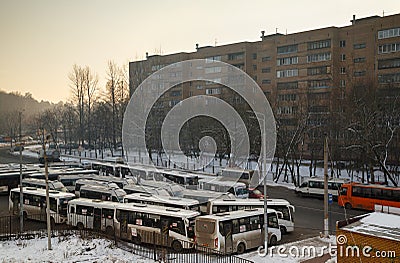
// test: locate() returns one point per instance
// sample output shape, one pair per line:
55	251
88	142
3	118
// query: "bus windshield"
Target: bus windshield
190	228
62	205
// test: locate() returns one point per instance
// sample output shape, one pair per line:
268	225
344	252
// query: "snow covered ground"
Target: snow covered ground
65	249
296	251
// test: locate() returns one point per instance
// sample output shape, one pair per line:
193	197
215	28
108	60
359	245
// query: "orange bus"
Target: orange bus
366	196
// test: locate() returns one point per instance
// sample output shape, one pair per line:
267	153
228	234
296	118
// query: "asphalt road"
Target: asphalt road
309	214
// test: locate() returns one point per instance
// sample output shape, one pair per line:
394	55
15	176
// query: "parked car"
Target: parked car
255	193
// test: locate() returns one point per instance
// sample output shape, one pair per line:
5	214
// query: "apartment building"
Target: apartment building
307	73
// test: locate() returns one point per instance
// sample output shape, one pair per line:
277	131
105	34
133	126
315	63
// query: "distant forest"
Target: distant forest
14	102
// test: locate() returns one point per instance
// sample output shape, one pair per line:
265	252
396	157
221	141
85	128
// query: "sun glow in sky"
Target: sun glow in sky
41	40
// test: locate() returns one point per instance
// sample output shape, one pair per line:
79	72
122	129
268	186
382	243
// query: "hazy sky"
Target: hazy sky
41	40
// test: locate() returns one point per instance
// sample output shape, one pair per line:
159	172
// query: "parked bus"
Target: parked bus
286	220
237	174
35	204
366	196
69	180
54	173
131	189
81	182
91	214
176	202
102	192
141	223
188	180
41	183
237	231
238	189
314	186
11	180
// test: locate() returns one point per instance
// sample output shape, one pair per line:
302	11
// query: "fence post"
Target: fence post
154	246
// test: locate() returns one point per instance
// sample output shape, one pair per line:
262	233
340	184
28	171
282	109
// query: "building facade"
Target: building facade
305	76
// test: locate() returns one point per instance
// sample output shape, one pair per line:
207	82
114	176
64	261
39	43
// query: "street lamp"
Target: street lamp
264	168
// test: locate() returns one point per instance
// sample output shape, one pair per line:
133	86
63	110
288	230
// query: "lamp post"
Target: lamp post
21	192
264	171
46	173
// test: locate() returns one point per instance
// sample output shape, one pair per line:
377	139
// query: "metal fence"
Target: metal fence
152	245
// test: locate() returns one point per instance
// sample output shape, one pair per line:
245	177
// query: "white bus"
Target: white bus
286	215
102	192
141	223
41	183
237	174
237	231
69	180
35	204
238	189
186	179
131	189
176	202
91	214
314	186
81	182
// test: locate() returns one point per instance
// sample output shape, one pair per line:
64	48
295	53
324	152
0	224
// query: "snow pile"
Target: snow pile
65	249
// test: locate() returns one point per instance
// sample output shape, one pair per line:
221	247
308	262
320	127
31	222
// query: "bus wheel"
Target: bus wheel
176	246
80	226
137	240
273	241
109	231
283	230
348	206
241	248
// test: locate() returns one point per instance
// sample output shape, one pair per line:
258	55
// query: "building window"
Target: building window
318	109
287	85
389	63
213	70
359	46
240	66
389	48
265	59
319	44
319	84
175	93
359	60
214	91
199	87
389	78
287	49
342	43
213	58
287	61
318	70
287	97
266	81
342	70
236	56
319	57
342	83
254	67
388	33
342	57
173	102
359	73
266	70
254	55
287	110
287	73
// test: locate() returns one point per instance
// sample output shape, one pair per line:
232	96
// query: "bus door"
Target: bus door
227	230
97	219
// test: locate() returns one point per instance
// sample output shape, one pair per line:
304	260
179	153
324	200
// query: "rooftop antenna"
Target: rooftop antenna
215	43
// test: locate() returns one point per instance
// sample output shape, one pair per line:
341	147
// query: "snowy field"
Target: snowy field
65	249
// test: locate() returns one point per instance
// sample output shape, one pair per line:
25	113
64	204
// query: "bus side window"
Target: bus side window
72	210
303	185
235	226
343	191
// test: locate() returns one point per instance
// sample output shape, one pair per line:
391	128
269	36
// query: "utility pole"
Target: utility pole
326	220
264	143
46	174
21	194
